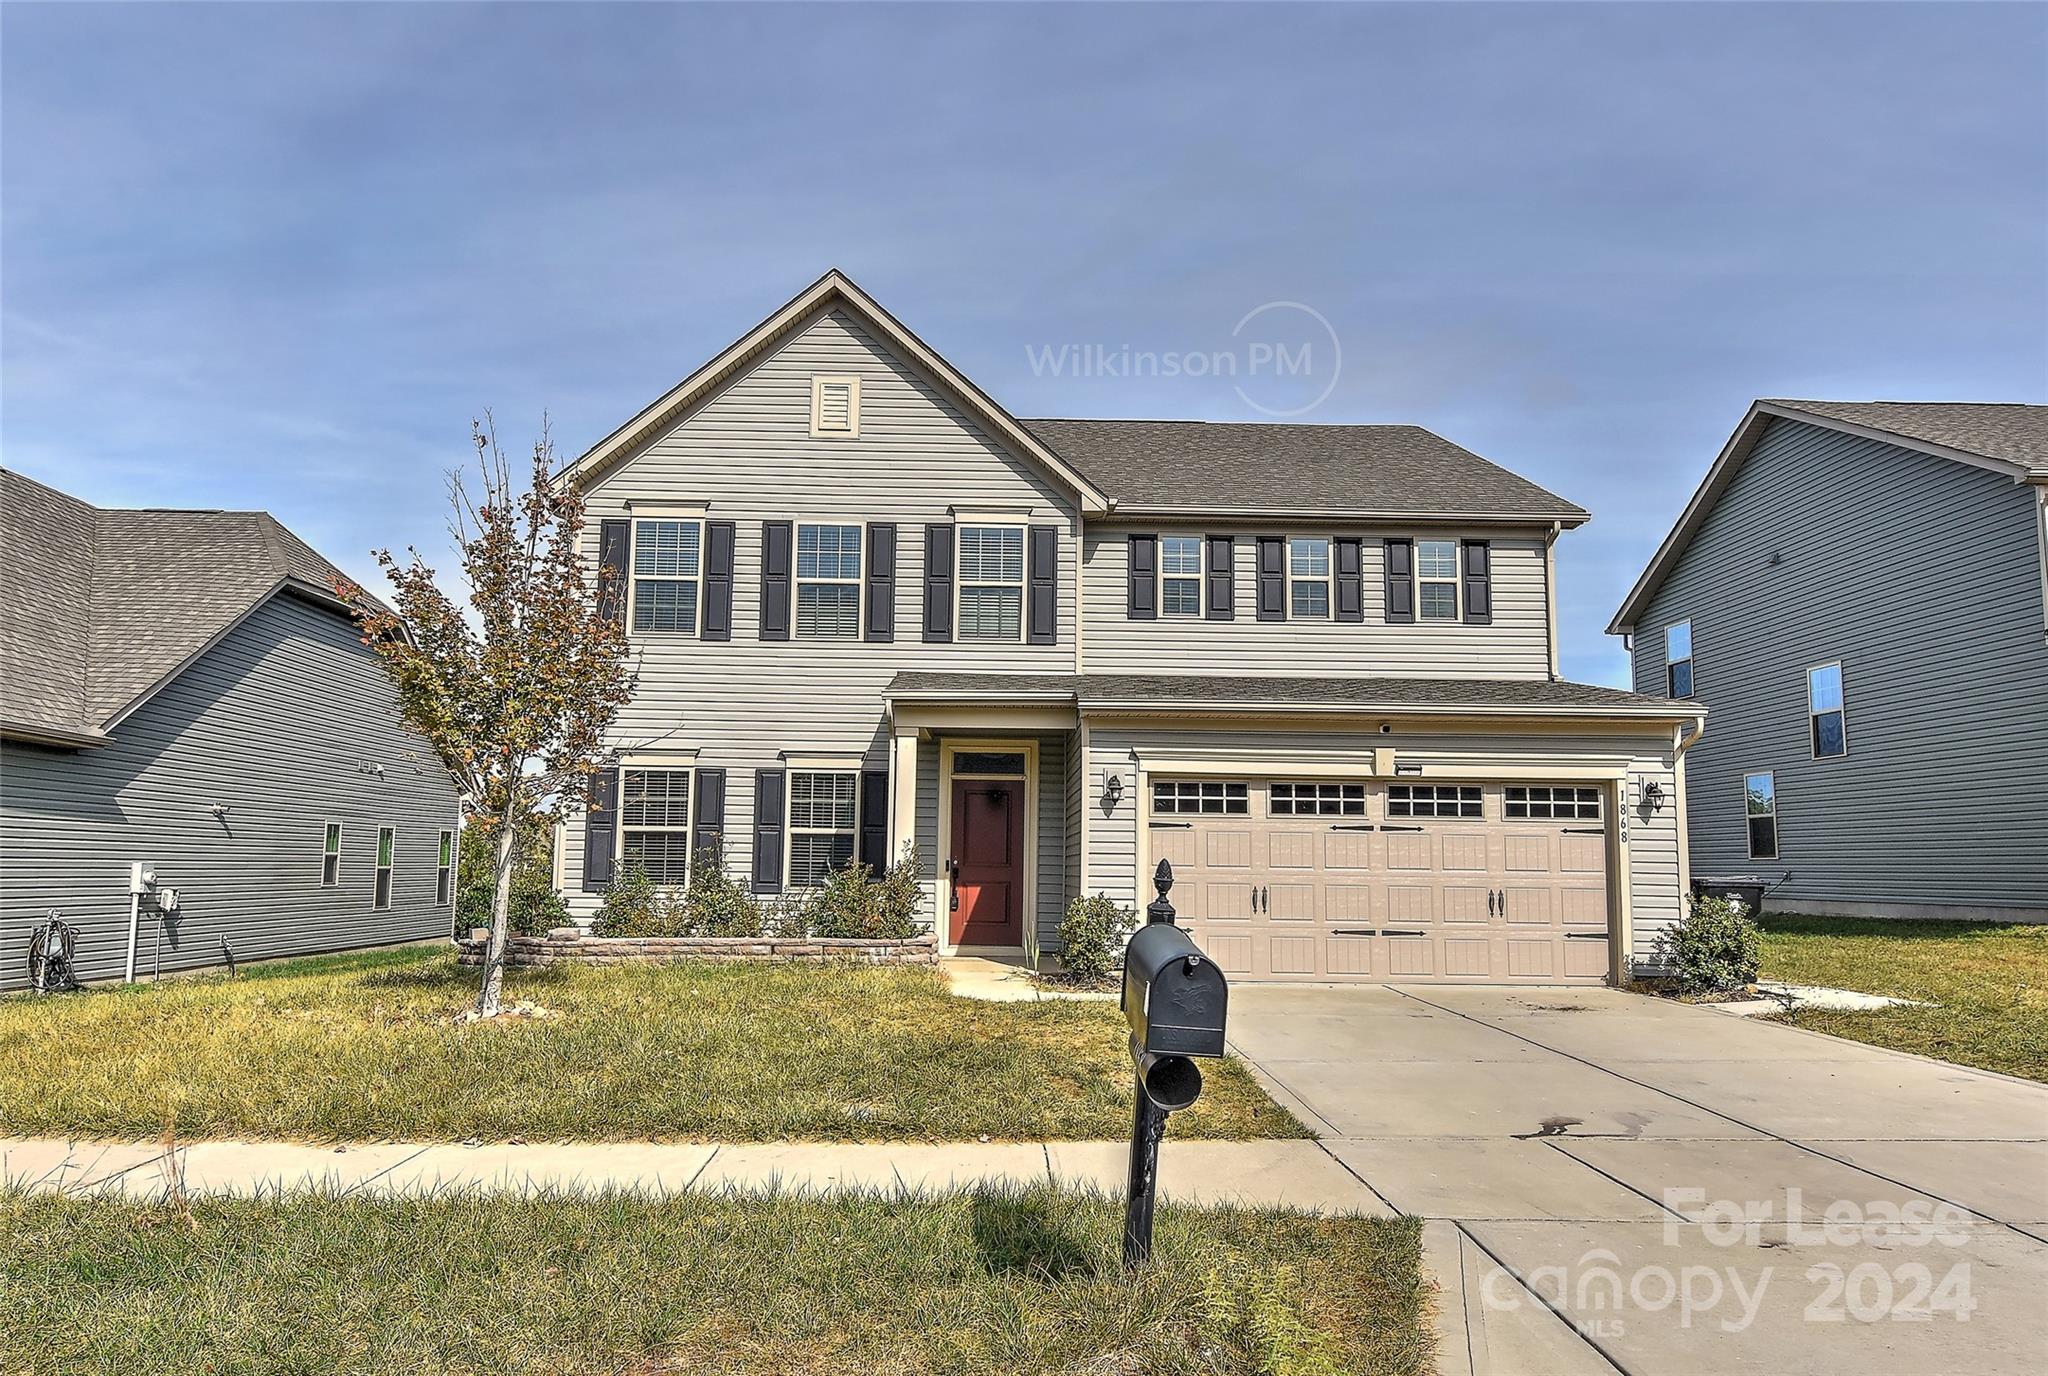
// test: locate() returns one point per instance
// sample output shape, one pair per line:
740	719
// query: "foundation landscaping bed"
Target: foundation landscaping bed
366	1047
979	1282
1984	985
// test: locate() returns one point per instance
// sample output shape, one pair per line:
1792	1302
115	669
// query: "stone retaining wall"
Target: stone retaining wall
569	945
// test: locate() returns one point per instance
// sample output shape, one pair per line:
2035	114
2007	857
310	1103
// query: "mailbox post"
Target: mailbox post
1174	999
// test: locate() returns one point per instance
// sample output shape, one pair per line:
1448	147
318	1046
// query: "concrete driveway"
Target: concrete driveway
1624	1183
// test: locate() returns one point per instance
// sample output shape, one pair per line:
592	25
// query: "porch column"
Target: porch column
902	791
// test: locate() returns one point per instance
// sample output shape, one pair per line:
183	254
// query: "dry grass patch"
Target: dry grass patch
1988	982
365	1048
984	1282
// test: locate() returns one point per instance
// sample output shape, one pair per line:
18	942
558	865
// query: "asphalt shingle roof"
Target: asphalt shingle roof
2012	431
1393	470
1226	690
97	605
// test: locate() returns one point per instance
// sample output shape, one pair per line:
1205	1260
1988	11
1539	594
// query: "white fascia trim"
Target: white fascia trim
1157	708
655	507
656	759
992	515
1354	516
824	764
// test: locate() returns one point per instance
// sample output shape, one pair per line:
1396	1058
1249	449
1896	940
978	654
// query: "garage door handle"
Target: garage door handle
1585	831
1351	826
1492	903
1172	826
1395	828
1396	931
1585	936
1353	931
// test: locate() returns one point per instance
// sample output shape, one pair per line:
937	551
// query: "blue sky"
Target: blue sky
280	255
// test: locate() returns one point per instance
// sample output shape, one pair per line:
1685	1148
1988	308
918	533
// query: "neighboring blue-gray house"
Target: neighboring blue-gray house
185	689
1858	593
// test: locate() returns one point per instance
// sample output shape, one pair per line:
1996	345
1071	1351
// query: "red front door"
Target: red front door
988	862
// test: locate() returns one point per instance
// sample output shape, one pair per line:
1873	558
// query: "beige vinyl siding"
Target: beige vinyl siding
1921	576
1651	838
1516	645
290	723
747	455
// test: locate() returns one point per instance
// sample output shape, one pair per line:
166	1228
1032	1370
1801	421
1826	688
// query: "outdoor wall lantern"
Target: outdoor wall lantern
1653	795
1112	791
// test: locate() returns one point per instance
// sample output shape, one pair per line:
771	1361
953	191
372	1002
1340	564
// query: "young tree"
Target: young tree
517	690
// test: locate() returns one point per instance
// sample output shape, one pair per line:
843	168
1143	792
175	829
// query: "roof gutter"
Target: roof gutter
53	735
1355	515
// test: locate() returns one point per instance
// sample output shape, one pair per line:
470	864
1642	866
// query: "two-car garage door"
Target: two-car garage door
1318	879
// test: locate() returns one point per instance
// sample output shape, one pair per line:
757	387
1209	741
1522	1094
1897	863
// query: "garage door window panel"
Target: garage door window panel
1538	803
1434	801
1207	797
1318	800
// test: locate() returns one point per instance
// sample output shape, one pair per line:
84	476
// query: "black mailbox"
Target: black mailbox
1174	996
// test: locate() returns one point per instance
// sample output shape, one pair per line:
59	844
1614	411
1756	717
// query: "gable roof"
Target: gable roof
2005	437
102	607
833	289
1205	467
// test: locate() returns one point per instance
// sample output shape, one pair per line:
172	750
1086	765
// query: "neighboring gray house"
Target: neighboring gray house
1314	666
184	688
1859	593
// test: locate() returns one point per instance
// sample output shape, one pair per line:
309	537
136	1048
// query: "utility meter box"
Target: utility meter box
141	877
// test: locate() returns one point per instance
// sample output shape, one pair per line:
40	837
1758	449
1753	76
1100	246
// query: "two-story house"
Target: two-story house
1859	592
1313	666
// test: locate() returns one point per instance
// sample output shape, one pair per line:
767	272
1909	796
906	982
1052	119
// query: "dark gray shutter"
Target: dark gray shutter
768	830
1400	580
1478	583
1348	563
1222	578
614	545
1142	604
1042	612
874	820
775	551
600	829
938	583
1272	578
881	583
708	818
718	542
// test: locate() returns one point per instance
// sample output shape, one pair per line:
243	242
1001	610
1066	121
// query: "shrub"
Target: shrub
1092	936
633	906
1715	946
716	904
854	903
535	908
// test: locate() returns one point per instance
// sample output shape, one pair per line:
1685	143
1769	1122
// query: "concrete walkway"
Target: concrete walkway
1618	1183
1275	1173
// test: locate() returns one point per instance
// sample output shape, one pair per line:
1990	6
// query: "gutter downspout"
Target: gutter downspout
1550	596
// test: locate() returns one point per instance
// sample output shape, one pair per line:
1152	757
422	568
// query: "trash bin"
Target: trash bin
1746	889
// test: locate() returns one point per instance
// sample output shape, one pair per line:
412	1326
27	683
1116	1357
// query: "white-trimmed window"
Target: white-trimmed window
991	567
1760	814
386	846
444	872
1308	576
1180	575
1211	797
667	559
1318	800
835	405
1433	800
823	818
1678	659
654	823
1825	712
1436	580
1541	803
330	855
828	582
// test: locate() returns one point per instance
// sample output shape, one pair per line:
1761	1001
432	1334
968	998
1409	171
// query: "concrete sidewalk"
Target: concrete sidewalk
1296	1174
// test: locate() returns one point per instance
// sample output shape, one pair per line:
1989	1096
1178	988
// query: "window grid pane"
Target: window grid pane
1215	798
1311	599
665	855
813	855
665	549
1439	602
821	800
1433	800
991	554
1180	554
991	613
655	798
1318	800
665	604
1181	596
1436	558
828	552
828	610
822	814
1563	804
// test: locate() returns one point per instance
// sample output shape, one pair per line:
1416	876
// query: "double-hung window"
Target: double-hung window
654	823
1308	576
1824	711
1180	575
1760	812
822	816
667	558
828	582
444	872
381	894
1436	579
330	856
1678	659
991	582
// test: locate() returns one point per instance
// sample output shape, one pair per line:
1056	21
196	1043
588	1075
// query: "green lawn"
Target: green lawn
1990	983
981	1282
361	1048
